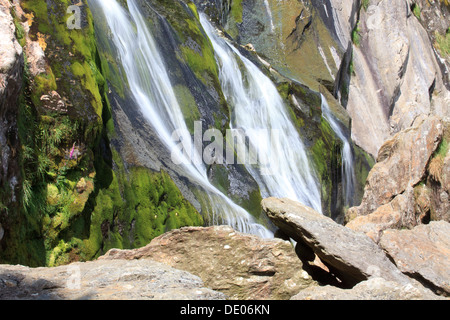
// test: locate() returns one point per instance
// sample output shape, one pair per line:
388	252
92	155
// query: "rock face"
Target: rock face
400	166
397	76
377	59
103	280
392	215
408	186
351	256
372	289
423	253
241	266
11	69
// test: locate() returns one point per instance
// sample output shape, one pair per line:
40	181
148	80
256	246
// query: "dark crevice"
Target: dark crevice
431	89
263	273
418	277
322	276
427	284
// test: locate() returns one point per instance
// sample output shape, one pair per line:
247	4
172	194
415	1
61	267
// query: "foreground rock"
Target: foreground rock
351	256
423	253
239	265
372	289
103	280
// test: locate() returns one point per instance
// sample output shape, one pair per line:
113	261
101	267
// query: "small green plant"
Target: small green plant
365	4
356	37
27	194
443	43
416	10
352	68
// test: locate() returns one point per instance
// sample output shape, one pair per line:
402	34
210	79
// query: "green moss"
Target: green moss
49	26
202	62
284	89
52	194
91	79
416	10
20	32
441	150
161	206
363	164
236	10
43	84
356	37
321	150
192	6
129	209
235	18
365	4
50	201
188	106
196	49
442	43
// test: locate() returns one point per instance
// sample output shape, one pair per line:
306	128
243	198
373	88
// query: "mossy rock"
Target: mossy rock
131	207
48	201
52	194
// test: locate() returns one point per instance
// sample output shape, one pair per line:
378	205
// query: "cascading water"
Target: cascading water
257	107
152	91
269	14
348	173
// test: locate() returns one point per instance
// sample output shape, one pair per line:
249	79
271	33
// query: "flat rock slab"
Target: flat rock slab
372	289
351	255
240	265
422	253
103	280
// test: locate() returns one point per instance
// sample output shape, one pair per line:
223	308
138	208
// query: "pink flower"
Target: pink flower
71	152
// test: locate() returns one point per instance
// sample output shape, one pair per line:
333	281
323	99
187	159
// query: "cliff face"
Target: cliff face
68	194
382	61
397	72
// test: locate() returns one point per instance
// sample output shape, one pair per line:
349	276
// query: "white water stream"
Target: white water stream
258	108
152	91
348	173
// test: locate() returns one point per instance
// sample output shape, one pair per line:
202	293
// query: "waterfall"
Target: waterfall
152	92
348	173
269	14
258	108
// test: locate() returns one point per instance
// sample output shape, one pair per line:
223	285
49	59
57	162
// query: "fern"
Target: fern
27	194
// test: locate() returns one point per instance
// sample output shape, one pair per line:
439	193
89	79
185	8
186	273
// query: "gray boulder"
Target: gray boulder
352	256
423	253
372	289
244	267
103	280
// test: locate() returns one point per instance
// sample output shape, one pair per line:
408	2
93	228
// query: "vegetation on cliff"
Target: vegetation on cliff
78	199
